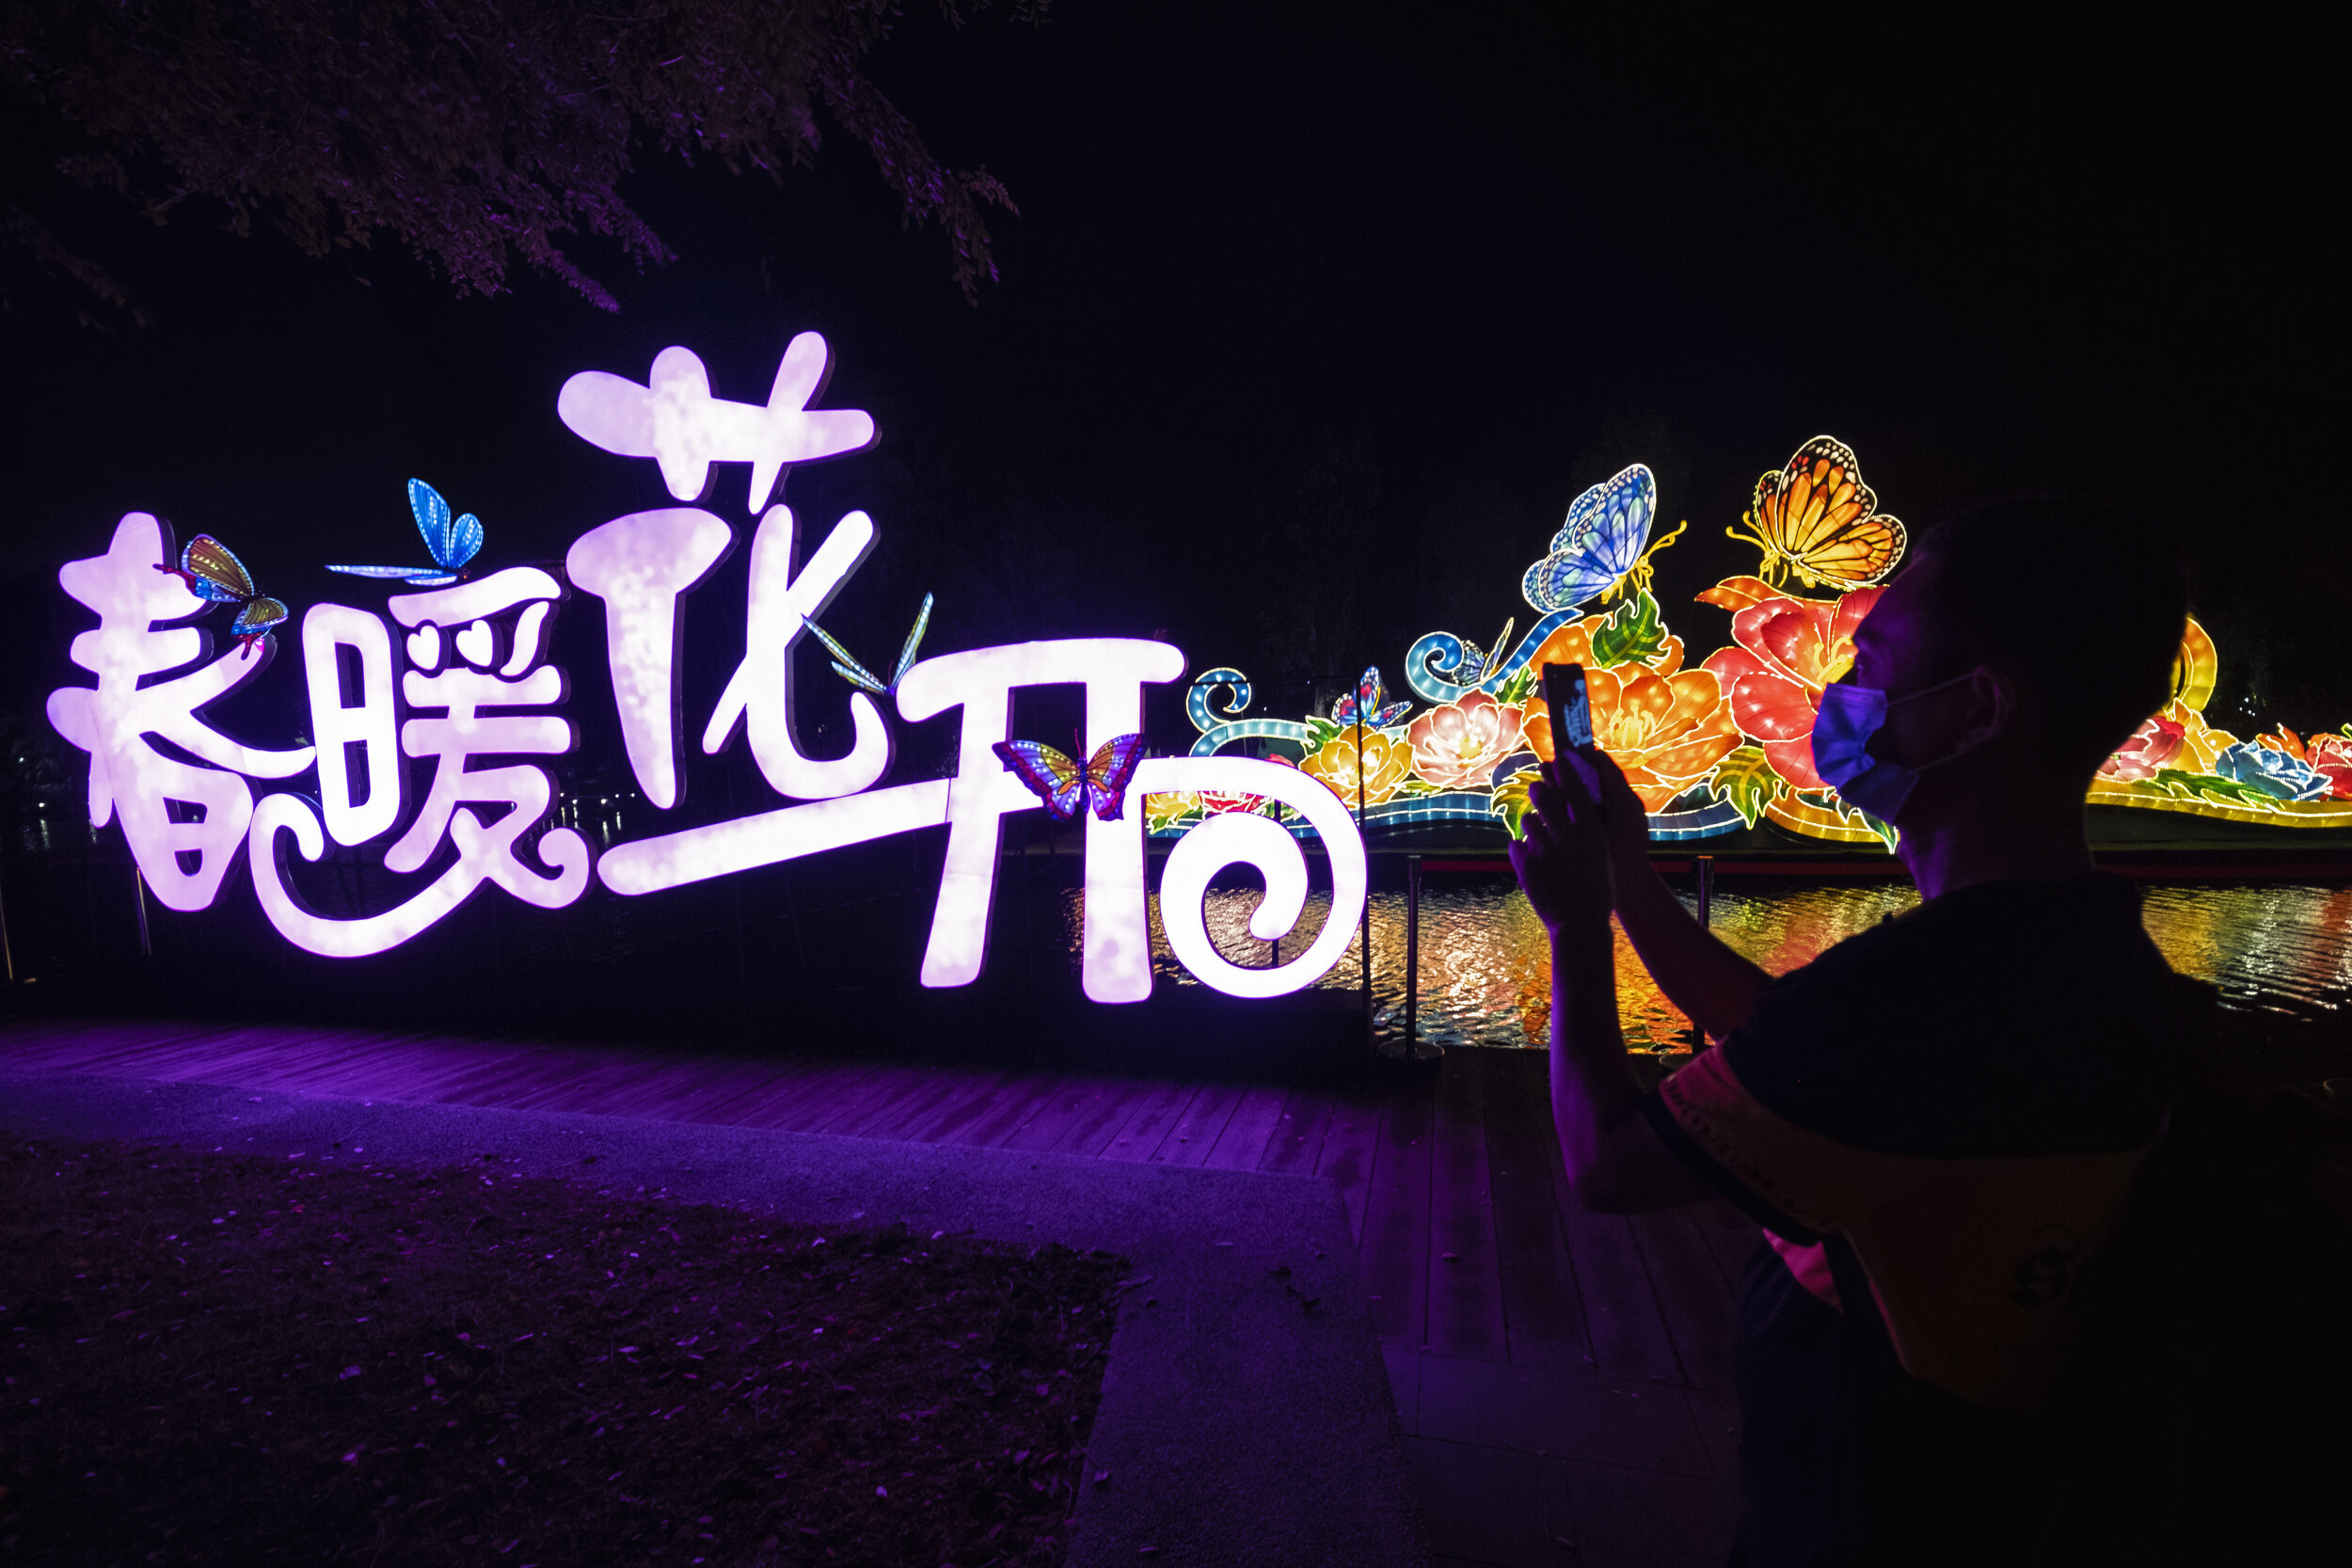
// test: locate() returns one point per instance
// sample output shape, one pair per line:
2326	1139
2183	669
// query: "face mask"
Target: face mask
1850	716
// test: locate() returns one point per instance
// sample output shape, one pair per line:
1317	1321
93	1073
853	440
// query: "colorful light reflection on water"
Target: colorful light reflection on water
1486	974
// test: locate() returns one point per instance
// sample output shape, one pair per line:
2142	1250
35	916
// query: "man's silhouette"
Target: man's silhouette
1938	1120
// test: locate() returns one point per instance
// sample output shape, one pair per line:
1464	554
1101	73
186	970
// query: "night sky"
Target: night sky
1312	323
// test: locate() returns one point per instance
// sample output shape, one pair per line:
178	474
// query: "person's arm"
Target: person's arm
1616	1162
1715	986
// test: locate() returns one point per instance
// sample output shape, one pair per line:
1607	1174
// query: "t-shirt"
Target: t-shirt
1937	1122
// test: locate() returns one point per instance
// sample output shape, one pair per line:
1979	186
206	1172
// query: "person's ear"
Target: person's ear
1991	708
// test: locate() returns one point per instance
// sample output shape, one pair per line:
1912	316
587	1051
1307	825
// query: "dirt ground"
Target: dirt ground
223	1360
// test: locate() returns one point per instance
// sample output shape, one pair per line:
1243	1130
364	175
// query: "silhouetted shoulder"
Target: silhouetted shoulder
2005	1019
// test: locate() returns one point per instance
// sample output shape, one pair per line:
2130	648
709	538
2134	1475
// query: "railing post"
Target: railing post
1703	876
138	897
1412	952
1364	939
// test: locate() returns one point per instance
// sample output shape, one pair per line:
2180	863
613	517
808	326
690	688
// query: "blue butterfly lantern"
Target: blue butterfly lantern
1370	701
452	541
1603	546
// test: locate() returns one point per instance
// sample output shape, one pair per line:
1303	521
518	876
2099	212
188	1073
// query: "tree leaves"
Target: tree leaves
1746	779
476	131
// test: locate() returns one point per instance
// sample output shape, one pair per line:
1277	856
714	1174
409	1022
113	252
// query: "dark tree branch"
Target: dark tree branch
475	131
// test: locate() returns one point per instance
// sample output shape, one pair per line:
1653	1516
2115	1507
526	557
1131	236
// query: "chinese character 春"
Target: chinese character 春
183	821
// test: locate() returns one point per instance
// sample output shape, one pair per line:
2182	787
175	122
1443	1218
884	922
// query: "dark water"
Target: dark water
1486	974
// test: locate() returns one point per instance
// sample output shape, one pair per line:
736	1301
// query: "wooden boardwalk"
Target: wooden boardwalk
1563	1378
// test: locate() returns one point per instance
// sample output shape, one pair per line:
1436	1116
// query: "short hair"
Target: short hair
2086	601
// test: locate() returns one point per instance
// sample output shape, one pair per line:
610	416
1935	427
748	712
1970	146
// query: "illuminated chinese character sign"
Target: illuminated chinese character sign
458	677
452	672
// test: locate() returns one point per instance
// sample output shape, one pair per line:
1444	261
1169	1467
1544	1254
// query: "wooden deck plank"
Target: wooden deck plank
598	1088
953	1116
1622	1317
809	1097
751	1099
357	1061
34	1045
329	1063
1543	1311
275	1059
1692	1294
311	1065
768	1104
1194	1135
513	1080
177	1060
1142	1134
392	1065
1465	1287
1081	1104
101	1050
1015	1107
902	1095
1394	1253
825	1107
1243	1144
1092	1134
1351	1147
693	1090
1297	1140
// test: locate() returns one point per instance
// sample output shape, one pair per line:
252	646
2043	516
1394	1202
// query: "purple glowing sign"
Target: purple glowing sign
479	700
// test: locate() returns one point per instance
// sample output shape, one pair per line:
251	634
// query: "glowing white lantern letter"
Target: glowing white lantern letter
1118	938
640	565
371	723
1231	837
760	691
674	419
137	698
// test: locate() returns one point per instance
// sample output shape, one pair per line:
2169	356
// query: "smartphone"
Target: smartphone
1571	706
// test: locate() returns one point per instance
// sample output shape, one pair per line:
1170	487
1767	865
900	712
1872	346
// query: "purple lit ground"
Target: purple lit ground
1560	1377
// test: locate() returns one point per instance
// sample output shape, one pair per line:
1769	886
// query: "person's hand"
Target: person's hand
1625	822
1562	862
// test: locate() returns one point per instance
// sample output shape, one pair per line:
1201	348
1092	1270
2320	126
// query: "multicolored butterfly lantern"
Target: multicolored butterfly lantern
857	674
1066	788
212	573
1603	548
1370	701
453	543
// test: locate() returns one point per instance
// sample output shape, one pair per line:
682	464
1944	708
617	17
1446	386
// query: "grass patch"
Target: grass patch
224	1358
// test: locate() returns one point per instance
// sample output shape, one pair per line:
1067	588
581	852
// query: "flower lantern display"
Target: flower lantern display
1725	744
2149	750
1457	745
2330	754
1665	731
1376	766
1785	651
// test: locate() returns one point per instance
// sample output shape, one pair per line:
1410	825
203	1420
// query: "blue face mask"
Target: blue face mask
1848	717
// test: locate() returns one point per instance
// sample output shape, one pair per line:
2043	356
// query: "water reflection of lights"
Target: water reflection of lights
1485	975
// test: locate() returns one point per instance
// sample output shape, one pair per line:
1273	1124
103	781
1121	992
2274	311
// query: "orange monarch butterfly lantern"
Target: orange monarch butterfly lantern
1815	517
